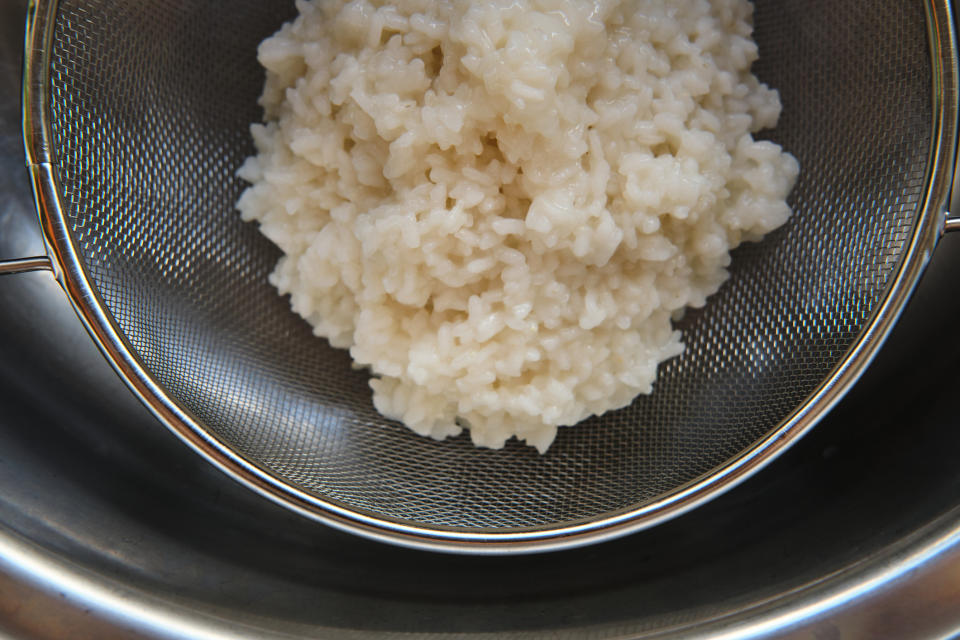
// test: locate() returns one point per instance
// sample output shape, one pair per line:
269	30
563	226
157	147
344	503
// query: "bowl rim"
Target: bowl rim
851	594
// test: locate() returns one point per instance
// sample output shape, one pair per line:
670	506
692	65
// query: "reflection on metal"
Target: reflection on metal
23	265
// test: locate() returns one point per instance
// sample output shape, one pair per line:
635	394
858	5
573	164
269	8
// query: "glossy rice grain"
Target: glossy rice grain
499	207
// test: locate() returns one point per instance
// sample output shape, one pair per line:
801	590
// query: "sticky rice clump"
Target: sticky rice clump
499	207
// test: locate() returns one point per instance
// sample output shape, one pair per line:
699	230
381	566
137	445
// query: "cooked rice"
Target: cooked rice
498	207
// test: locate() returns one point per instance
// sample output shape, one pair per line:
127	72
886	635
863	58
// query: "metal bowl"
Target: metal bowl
110	528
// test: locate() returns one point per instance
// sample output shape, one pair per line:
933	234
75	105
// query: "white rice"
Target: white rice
498	207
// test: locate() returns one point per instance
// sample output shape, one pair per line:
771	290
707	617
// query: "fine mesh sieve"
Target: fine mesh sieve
137	117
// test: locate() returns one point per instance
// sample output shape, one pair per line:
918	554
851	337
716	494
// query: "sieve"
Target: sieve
136	117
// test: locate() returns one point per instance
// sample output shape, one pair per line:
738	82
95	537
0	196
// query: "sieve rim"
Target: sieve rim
72	275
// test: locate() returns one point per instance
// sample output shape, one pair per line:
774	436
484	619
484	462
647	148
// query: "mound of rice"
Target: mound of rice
498	207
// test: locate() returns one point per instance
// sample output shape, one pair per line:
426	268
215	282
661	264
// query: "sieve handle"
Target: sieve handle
953	211
35	81
23	265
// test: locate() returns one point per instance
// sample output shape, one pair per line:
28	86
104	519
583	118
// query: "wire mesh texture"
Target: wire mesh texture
150	107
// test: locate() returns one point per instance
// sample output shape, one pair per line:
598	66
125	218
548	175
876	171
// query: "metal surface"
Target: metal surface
26	265
134	163
953	214
110	529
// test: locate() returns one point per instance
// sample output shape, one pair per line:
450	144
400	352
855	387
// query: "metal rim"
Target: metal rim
72	276
132	608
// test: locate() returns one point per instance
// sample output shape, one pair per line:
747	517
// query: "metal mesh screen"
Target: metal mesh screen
151	104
